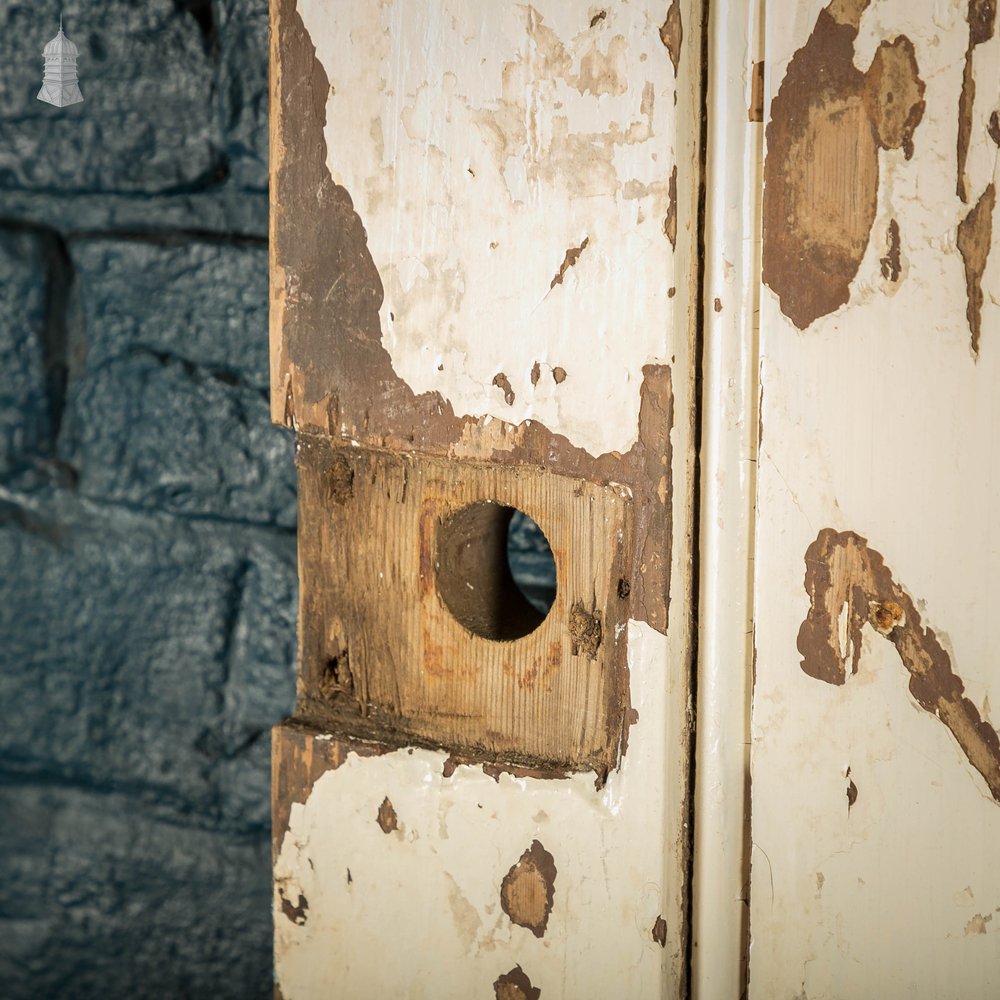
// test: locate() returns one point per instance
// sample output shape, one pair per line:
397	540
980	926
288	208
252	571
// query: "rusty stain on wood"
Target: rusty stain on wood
828	121
981	16
386	816
515	985
340	378
975	237
845	578
528	889
890	263
569	260
672	33
381	577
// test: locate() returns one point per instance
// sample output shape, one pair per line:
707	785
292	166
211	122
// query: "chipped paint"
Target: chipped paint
672	33
420	887
343	380
386	816
890	263
501	381
555	135
981	16
528	889
849	582
515	985
296	912
975	239
670	222
572	256
821	175
879	421
435	164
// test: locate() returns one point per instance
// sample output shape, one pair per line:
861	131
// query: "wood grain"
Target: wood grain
383	657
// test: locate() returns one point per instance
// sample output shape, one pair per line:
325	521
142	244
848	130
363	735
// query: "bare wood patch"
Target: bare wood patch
981	15
338	379
975	236
659	932
515	985
387	816
845	579
891	262
852	792
894	94
413	629
528	889
295	912
828	122
993	128
755	113
501	381
670	222
569	260
672	33
298	760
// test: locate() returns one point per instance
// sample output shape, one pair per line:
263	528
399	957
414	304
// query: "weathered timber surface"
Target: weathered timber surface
332	374
383	657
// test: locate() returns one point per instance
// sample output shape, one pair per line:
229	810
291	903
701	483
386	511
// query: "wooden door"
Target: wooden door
875	758
484	300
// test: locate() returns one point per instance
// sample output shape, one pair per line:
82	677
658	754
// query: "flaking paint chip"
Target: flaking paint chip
528	889
387	816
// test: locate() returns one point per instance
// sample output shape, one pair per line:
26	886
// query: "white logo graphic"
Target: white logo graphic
60	86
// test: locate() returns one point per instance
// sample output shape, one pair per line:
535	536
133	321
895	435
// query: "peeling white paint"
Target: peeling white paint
877	419
480	143
421	914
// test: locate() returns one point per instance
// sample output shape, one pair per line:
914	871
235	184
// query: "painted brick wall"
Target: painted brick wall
147	506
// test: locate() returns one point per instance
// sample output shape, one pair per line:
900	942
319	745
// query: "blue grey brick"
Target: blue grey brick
104	898
25	424
243	38
148	122
202	301
125	640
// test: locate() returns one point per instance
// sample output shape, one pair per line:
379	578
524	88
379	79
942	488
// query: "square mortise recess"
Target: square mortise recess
388	544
